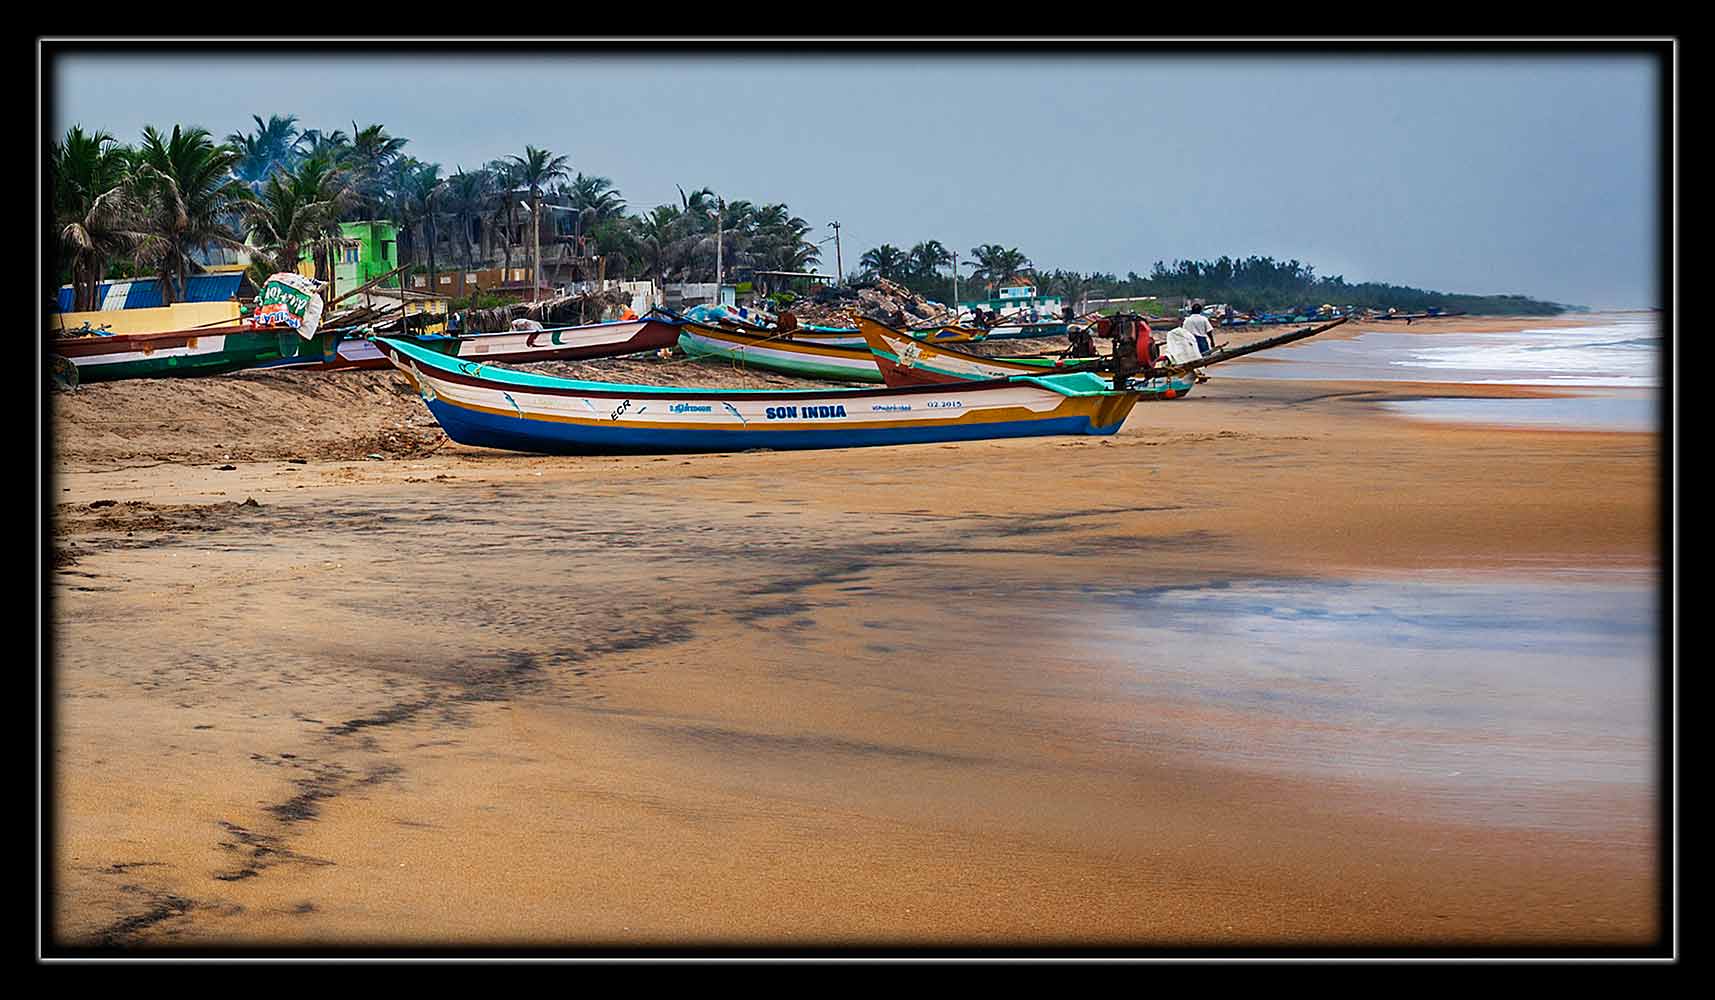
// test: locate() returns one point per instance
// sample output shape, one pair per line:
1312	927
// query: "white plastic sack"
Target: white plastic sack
1181	346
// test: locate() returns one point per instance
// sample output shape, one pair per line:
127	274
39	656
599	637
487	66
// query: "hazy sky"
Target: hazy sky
1508	174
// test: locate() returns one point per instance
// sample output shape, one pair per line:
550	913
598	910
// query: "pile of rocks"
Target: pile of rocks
879	299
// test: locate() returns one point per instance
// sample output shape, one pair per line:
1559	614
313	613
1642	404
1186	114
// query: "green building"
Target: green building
375	253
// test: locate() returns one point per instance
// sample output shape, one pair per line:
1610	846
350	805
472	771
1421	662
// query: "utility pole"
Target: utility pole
955	284
720	221
536	267
839	262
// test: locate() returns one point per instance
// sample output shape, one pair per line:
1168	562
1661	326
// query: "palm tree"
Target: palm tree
369	155
465	197
885	261
507	180
538	168
719	233
424	188
997	264
95	206
273	145
697	206
737	216
403	205
189	182
1072	286
779	239
593	201
315	142
295	210
657	233
928	257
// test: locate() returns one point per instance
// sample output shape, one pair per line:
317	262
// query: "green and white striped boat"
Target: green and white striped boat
185	352
779	352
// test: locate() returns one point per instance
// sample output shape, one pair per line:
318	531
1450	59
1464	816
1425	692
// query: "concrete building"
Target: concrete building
372	250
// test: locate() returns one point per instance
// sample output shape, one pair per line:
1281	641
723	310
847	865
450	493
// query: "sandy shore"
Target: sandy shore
445	695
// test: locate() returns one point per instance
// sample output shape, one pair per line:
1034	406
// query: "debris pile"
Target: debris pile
566	310
382	310
879	299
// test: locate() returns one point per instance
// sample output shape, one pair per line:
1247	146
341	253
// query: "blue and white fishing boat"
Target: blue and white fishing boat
494	407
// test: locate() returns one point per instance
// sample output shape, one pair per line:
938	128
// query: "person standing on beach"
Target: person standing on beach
1199	327
1202	334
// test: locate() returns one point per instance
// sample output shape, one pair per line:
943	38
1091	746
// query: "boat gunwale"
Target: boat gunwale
779	339
113	342
557	329
1088	365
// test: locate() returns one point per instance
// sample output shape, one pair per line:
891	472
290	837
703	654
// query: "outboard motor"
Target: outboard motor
1083	345
1125	329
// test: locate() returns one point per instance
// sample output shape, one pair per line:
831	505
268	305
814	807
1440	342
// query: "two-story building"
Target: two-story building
1018	301
371	250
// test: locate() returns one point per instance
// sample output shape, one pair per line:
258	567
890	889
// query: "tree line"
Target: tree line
279	192
1249	284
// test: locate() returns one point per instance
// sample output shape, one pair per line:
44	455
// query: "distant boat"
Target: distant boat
616	338
780	352
567	343
1430	314
494	407
842	336
906	361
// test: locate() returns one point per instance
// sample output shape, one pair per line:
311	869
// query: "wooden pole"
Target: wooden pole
370	284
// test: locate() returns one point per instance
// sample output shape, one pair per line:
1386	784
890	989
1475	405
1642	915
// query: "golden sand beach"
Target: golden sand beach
449	696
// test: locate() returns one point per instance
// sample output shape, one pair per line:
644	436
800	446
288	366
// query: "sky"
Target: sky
1533	175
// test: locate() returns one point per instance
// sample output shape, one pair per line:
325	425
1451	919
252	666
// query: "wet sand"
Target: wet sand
451	696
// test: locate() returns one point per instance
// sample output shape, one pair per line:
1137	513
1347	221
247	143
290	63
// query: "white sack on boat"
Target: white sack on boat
1181	346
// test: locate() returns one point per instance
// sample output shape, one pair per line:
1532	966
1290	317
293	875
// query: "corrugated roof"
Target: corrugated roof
212	287
142	295
145	293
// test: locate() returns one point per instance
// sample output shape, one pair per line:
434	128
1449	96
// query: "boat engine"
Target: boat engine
1083	344
1125	328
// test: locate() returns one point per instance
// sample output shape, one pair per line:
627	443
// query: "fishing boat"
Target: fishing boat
496	407
906	361
569	343
822	336
1024	331
844	336
780	352
1411	317
353	350
950	334
349	350
211	351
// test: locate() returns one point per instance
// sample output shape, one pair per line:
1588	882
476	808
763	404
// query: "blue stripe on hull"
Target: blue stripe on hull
488	430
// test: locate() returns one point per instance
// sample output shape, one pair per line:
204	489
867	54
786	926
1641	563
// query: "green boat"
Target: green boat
779	352
186	352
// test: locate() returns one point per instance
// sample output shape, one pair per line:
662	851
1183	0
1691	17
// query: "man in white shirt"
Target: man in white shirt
1201	333
1199	327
